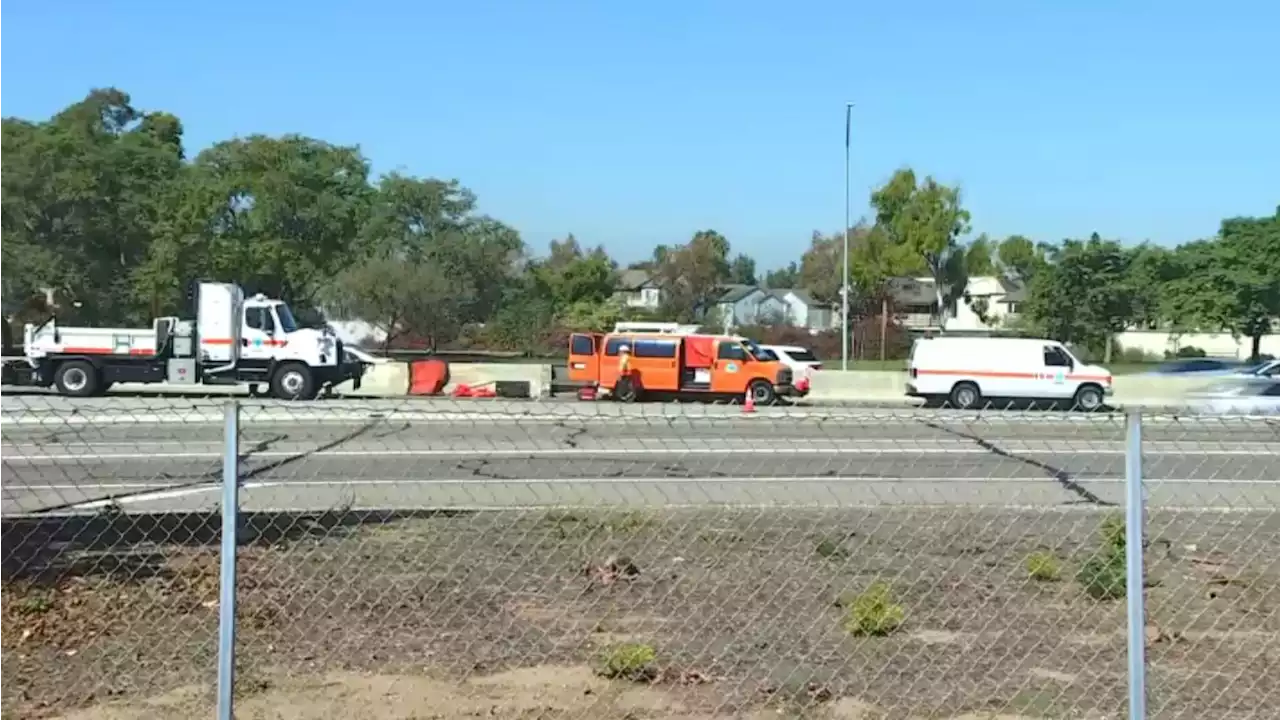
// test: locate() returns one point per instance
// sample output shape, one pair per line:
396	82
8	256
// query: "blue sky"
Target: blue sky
630	124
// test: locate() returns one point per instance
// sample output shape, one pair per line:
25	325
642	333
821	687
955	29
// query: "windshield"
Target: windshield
287	323
758	352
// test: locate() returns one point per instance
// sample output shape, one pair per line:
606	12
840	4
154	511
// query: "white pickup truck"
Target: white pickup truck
232	341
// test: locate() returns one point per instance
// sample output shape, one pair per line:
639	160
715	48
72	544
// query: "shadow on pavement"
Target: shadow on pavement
127	547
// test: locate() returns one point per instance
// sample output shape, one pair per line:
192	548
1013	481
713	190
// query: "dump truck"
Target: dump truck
233	340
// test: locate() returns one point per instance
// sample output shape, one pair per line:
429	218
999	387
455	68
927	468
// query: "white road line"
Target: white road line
716	480
162	494
962	448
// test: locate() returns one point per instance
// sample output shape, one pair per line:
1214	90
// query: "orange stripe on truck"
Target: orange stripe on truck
104	351
1012	375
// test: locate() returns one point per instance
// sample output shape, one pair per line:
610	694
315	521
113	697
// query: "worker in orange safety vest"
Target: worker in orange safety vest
624	361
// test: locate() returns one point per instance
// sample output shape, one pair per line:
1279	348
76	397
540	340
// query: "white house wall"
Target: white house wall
1216	344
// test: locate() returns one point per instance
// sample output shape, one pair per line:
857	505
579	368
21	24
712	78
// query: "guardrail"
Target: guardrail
597	560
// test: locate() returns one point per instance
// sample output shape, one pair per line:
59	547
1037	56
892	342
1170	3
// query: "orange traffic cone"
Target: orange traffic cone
749	406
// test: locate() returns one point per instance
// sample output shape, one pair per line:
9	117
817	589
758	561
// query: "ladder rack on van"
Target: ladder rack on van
657	328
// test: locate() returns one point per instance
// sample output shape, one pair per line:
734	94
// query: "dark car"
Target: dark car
1198	365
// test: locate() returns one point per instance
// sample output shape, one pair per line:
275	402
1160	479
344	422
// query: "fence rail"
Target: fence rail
449	559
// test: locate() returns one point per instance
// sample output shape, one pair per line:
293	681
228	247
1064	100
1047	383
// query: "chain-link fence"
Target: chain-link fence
592	560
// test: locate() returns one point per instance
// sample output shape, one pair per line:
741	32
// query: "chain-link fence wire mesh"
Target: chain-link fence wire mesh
593	560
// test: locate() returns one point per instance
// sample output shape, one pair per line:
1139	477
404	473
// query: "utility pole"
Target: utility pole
844	291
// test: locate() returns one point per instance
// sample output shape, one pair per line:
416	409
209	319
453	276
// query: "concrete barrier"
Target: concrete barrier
837	386
486	374
388	379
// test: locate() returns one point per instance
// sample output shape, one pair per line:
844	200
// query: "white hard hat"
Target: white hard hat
624	348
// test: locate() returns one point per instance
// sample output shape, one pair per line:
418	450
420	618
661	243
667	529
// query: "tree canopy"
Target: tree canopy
104	210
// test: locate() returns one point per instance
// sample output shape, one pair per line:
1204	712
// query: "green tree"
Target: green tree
926	219
1019	256
742	270
83	198
1083	294
784	277
692	275
571	277
1231	283
979	257
1151	269
276	215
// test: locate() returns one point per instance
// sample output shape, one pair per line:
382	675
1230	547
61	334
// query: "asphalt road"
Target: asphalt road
149	454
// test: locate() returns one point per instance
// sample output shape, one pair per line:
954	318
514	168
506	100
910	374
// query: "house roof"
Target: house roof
800	294
633	279
735	292
1017	292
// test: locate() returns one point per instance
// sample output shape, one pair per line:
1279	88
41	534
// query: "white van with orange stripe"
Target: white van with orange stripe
972	372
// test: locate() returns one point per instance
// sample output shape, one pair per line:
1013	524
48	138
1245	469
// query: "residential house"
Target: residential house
637	289
989	302
803	311
915	303
740	305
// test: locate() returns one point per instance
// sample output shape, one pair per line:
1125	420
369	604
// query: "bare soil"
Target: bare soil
513	614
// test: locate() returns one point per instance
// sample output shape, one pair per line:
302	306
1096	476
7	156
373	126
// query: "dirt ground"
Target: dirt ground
738	613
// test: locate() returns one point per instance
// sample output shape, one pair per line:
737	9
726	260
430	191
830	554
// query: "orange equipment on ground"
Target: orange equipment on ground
428	377
718	366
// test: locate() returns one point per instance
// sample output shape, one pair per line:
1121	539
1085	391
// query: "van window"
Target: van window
802	356
655	348
731	351
582	345
1055	356
611	347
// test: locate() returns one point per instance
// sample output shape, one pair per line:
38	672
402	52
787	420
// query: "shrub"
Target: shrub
873	612
1044	566
1103	575
629	661
1112	533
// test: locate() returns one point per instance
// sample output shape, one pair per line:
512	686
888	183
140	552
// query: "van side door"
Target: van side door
657	360
584	359
1055	379
732	369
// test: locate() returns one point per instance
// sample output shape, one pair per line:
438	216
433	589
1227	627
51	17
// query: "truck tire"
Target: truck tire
77	378
762	392
965	396
293	381
1089	398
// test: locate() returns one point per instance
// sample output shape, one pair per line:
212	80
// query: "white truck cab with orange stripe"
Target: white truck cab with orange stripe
232	341
973	372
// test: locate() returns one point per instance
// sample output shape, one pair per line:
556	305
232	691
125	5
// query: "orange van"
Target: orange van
715	366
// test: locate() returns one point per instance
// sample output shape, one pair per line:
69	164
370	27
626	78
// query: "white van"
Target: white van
969	372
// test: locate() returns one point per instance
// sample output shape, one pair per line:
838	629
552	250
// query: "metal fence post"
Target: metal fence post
1134	585
227	578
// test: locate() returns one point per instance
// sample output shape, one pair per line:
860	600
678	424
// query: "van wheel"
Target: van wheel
293	381
965	396
625	390
762	392
77	378
1088	398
